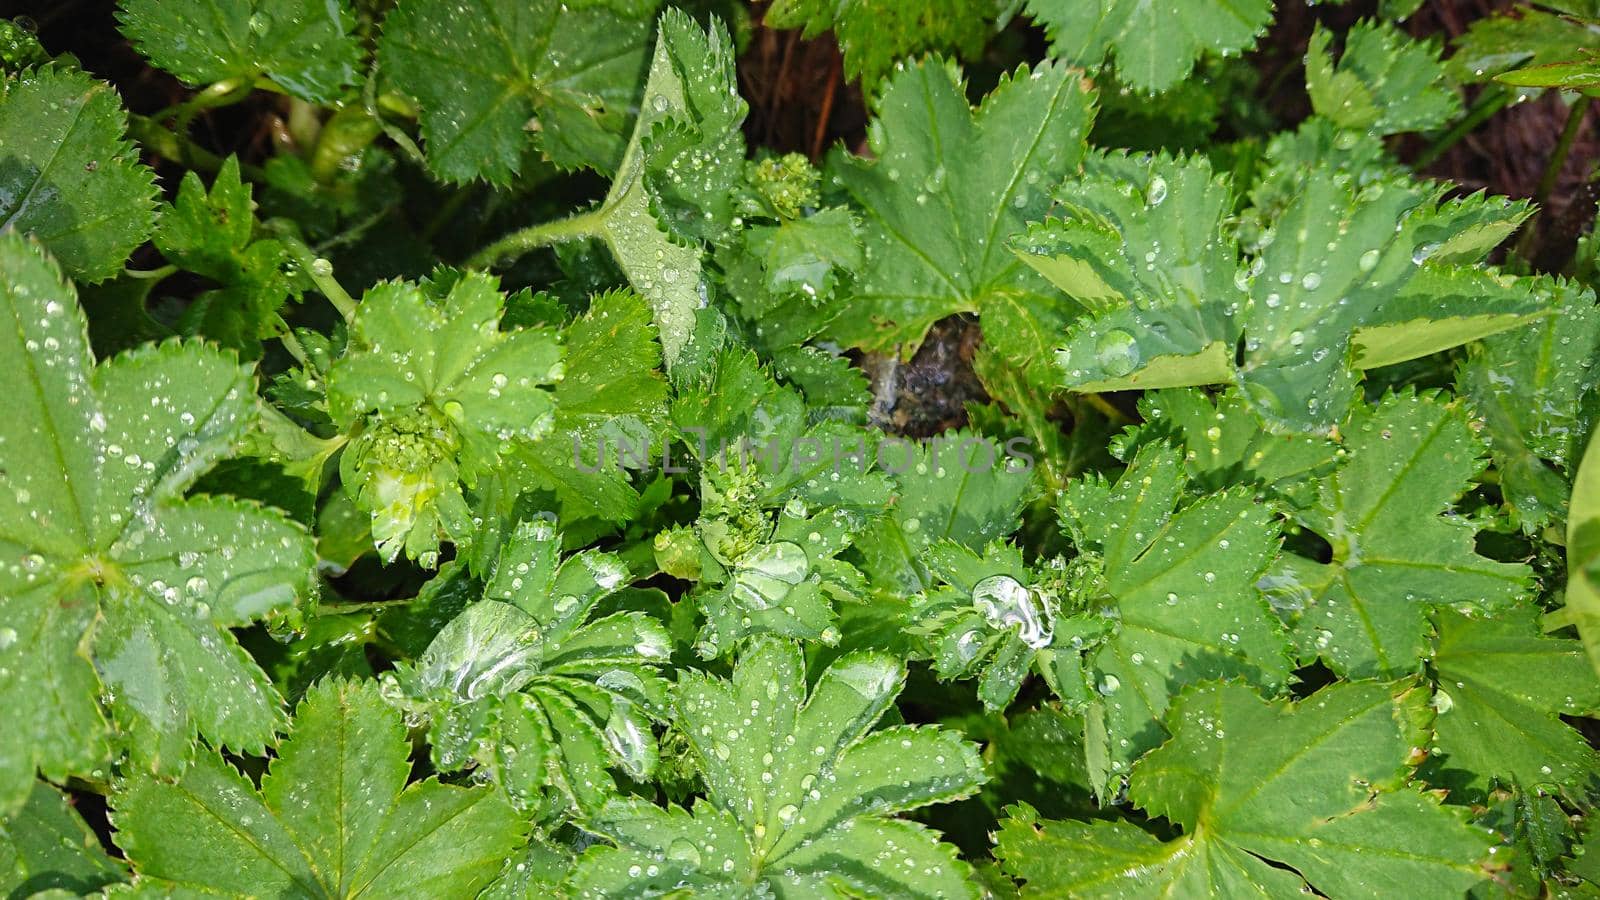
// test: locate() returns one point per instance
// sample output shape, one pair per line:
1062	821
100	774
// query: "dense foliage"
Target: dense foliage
489	483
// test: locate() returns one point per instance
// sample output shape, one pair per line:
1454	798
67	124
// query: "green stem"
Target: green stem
320	270
1493	99
1558	159
167	144
583	225
226	92
151	274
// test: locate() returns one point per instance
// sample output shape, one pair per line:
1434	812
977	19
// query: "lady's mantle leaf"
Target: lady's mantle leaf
116	591
482	70
333	818
67	174
1155	45
950	184
1334	286
303	45
800	796
1267	794
1394	553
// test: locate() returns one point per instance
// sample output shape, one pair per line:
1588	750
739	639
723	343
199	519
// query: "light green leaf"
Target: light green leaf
611	402
1394	552
1334	286
948	187
1500	688
1155	47
1583	553
1317	789
68	175
98	532
799	794
483	70
1530	385
438	389
1180	586
305	46
334	816
530	685
1385	81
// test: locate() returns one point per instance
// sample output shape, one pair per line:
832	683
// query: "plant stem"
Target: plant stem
347	133
167	144
151	274
320	270
1558	159
222	93
292	344
1493	99
583	225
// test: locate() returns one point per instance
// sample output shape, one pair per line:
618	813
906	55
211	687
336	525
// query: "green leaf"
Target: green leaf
437	389
1225	446
210	235
334	816
46	846
1583	553
948	187
533	687
68	175
304	46
118	591
612	400
1531	385
1155	47
1385	82
483	70
1180	584
959	486
1519	38
799	795
1395	554
1346	278
874	36
688	118
1500	688
994	618
1267	794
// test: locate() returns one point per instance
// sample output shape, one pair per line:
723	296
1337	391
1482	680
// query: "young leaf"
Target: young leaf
118	591
483	70
800	797
526	685
68	175
1180	584
1394	554
334	816
1348	278
1267	794
1384	83
1521	37
1532	385
1583	553
1155	47
995	618
304	46
210	235
437	389
1500	690
948	186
